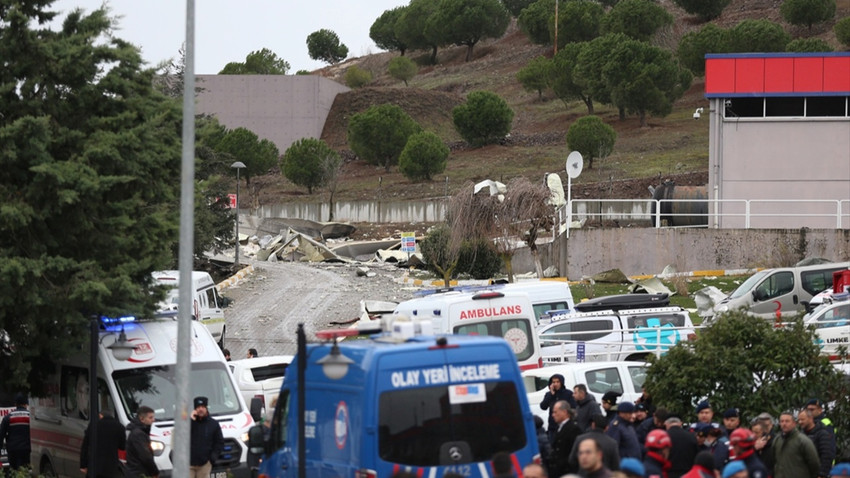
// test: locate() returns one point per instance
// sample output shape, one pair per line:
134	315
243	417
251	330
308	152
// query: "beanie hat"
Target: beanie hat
731	413
703	405
733	467
633	466
21	399
626	407
201	401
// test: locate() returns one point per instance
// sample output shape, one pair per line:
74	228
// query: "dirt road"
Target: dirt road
268	304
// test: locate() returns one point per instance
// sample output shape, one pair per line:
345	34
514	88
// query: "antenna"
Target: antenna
574	165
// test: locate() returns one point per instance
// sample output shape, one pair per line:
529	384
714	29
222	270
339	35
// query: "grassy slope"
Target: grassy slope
668	147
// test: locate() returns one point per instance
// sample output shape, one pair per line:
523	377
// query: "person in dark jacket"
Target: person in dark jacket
609	447
623	432
819	435
683	447
703	466
566	432
656	462
207	440
654	422
556	392
15	433
609	404
742	441
110	439
140	460
586	406
542	441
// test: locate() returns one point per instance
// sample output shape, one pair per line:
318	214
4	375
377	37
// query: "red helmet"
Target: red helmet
742	437
658	439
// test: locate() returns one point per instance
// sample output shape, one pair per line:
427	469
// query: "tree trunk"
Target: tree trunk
331	207
469	51
537	265
509	268
434	55
622	113
589	103
642	118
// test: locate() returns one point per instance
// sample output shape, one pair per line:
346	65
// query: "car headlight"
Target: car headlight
157	447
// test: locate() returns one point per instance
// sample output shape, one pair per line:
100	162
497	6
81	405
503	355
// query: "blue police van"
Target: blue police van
399	402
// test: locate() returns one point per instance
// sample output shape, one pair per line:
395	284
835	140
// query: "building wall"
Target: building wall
280	108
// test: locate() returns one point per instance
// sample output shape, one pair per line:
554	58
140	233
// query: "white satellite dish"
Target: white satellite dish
574	164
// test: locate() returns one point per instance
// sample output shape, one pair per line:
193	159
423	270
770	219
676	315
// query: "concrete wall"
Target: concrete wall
280	108
647	251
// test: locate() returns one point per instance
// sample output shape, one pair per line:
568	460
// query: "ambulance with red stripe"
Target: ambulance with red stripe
425	404
59	419
500	313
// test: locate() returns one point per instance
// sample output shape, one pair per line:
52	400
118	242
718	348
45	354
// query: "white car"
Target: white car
832	324
600	377
260	377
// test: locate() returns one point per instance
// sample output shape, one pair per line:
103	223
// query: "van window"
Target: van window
416	426
774	285
588	330
815	282
276	370
835	317
655	320
212	298
498	328
156	388
638	374
540	309
74	394
533	383
604	380
747	286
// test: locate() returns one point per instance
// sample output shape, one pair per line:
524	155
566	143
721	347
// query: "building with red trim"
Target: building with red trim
780	130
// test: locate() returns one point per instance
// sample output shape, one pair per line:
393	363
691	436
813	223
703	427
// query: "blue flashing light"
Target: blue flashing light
437	312
128	319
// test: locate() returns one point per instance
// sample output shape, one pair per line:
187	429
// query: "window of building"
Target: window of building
787	107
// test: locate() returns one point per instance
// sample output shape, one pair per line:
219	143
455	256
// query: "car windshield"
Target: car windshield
748	284
155	387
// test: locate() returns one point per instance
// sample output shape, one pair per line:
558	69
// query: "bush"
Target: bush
591	137
303	162
534	21
694	46
534	76
842	31
808	45
479	259
484	118
379	134
356	77
762	36
423	156
639	19
402	68
705	9
807	12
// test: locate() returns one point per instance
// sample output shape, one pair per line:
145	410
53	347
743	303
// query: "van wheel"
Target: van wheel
47	469
221	339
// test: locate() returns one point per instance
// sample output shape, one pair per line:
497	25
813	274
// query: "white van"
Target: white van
260	377
506	314
205	300
831	321
59	419
781	292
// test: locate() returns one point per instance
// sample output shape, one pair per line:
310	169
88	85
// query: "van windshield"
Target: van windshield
748	284
155	387
420	427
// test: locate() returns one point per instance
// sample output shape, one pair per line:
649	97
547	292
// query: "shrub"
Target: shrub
402	68
484	118
423	156
356	77
808	45
842	31
479	259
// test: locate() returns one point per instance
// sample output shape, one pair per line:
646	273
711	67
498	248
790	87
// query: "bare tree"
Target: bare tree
331	174
519	218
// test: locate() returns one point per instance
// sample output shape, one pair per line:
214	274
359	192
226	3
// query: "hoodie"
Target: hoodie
140	460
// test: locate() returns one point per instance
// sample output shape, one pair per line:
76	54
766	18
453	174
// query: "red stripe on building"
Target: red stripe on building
777	74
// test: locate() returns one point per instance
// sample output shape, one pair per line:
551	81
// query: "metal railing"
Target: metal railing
636	341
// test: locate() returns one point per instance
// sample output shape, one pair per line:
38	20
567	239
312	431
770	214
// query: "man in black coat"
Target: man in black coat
822	438
566	432
683	450
140	460
608	446
556	392
110	439
207	440
586	406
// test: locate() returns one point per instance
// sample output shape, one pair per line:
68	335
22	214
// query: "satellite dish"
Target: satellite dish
574	164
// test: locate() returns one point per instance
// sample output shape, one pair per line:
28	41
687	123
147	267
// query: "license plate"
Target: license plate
218	474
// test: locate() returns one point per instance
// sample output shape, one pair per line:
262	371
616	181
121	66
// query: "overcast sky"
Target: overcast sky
227	30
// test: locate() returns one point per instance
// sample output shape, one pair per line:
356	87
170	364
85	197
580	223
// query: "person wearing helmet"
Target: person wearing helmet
656	462
742	441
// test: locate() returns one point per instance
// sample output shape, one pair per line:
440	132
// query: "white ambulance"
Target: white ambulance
60	418
206	303
500	313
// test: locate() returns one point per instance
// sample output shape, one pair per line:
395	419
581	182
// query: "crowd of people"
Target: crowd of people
631	440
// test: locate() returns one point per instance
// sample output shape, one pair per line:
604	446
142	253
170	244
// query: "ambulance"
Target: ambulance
59	419
500	313
425	404
206	303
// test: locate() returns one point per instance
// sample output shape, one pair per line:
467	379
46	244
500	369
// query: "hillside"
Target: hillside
672	147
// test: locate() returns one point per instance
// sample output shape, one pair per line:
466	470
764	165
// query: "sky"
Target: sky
228	30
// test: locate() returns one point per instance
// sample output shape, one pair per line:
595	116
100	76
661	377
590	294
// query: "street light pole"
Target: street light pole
94	330
237	165
302	409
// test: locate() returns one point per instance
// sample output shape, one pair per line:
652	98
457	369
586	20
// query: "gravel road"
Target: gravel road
268	304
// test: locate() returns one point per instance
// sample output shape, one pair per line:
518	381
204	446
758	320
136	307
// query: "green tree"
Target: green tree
535	75
534	21
413	29
516	6
479	259
439	253
263	62
356	77
638	19
694	46
757	36
808	45
213	181
243	145
383	31
842	31
591	61
755	367
402	68
423	156
379	134
563	80
466	22
303	162
578	21
484	118
324	45
89	178
591	137
705	9
645	79
807	12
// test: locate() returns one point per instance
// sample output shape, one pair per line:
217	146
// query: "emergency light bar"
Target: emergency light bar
116	320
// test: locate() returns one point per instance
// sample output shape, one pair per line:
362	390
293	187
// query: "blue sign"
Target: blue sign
580	352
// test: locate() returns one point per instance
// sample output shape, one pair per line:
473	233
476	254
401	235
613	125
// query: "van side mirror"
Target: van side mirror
256	445
256	407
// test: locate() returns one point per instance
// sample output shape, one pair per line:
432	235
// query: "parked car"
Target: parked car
260	377
832	324
600	377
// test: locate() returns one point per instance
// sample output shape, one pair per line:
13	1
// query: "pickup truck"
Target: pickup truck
260	377
603	335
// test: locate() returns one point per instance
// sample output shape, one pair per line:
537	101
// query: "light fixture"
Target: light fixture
335	364
122	349
698	113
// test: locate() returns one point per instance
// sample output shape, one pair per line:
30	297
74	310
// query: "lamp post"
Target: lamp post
121	350
237	166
